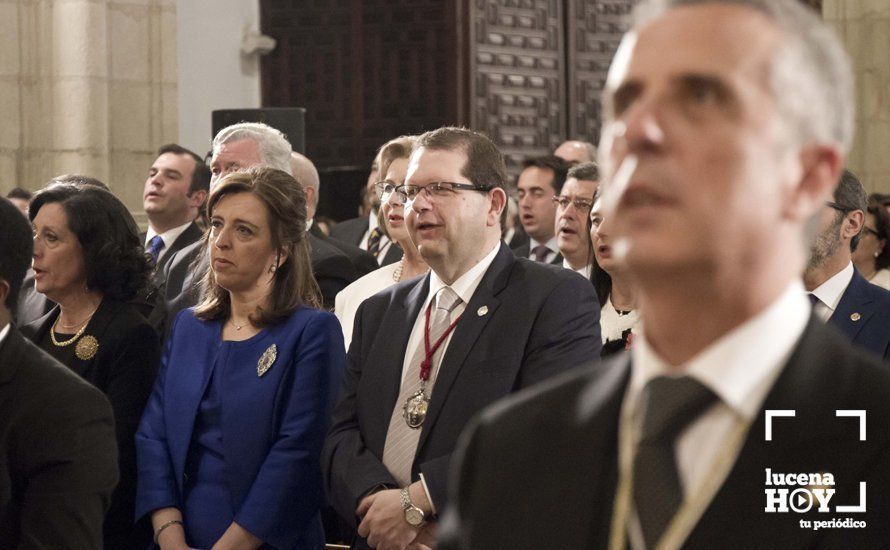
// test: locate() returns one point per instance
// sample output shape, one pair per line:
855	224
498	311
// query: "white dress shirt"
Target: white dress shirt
830	292
741	367
464	287
584	271
3	333
552	244
350	298
169	237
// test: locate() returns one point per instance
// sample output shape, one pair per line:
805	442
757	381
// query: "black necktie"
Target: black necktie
670	404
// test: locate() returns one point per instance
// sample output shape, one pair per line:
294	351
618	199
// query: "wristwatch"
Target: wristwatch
413	515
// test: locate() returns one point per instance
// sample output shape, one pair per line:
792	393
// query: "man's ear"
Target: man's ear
498	203
197	198
820	171
853	223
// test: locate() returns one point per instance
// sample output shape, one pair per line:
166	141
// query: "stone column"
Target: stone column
864	28
86	86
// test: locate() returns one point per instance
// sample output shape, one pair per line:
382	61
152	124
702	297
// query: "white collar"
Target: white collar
372	221
831	291
740	366
583	271
466	284
552	244
169	237
4	332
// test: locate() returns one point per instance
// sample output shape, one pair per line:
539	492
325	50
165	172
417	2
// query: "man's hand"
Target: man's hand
426	537
384	522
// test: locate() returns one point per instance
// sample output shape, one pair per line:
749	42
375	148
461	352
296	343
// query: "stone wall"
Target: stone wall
86	86
864	28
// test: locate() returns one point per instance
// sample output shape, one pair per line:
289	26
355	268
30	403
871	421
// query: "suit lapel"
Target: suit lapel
467	331
798	445
856	303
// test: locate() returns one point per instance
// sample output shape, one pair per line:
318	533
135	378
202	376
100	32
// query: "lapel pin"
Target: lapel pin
86	348
855	317
482	311
266	360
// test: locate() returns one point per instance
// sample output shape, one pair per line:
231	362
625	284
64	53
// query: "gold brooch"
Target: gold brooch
266	360
86	348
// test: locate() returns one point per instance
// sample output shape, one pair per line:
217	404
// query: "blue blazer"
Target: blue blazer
869	305
273	425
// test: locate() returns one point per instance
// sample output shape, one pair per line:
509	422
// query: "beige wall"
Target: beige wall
864	28
86	86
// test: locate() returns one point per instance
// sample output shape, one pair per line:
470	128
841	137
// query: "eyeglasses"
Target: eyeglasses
384	189
580	204
435	191
868	229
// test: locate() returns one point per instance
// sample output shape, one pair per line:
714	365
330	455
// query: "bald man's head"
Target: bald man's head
576	152
305	173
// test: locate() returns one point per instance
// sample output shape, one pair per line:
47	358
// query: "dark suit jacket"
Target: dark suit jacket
869	305
32	305
58	458
124	368
352	231
540	321
524	251
363	261
192	234
564	437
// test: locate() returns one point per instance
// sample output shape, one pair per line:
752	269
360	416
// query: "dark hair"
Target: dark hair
587	171
485	164
602	281
16	245
850	195
19	193
116	264
294	284
559	166
78	181
201	173
880	198
882	228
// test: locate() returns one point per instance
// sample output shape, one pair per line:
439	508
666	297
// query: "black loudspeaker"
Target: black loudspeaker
289	120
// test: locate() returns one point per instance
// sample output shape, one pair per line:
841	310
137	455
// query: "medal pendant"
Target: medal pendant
414	409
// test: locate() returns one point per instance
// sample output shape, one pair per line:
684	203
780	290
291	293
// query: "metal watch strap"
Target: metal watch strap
406	498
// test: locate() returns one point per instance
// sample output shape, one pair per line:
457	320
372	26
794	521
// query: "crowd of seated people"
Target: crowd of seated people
247	374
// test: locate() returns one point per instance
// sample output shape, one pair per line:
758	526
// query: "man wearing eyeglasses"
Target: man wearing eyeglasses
572	211
541	178
840	295
429	353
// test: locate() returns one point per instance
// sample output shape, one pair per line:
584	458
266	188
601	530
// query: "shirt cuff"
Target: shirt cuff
427	491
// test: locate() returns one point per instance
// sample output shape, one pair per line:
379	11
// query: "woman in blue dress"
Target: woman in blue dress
230	442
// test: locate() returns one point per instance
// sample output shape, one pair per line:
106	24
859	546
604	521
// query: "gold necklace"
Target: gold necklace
78	334
237	326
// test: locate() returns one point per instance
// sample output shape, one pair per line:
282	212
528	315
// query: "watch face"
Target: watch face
414	516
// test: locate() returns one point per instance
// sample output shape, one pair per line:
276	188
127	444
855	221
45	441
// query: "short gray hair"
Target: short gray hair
811	76
274	147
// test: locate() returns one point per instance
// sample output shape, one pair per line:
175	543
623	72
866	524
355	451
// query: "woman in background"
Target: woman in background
618	303
89	260
229	447
393	162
